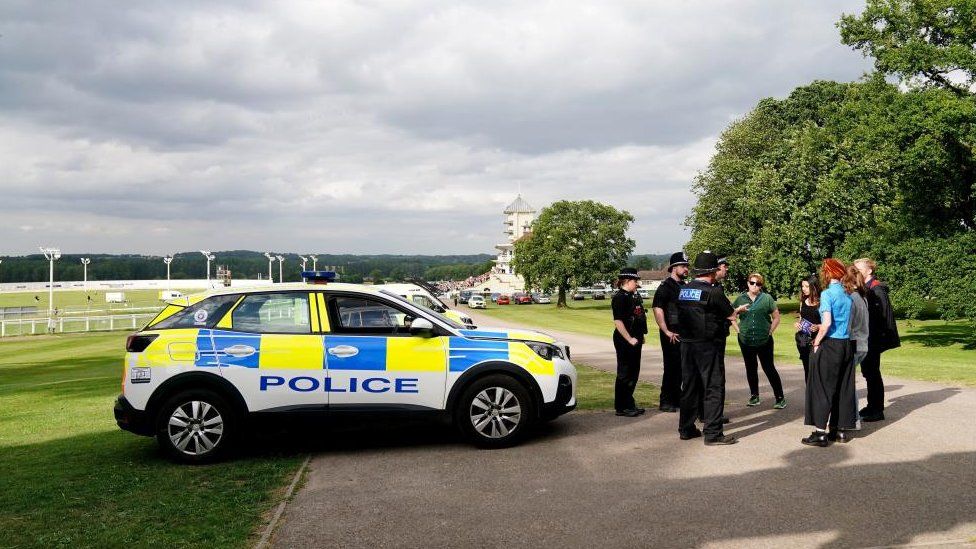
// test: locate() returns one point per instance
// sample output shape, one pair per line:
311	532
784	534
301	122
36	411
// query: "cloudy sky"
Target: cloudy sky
375	126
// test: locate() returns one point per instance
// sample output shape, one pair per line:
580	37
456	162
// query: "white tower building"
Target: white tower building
519	216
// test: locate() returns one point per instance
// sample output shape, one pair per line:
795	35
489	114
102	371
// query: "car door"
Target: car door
270	347
375	362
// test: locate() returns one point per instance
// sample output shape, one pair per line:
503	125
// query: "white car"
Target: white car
477	302
198	374
420	296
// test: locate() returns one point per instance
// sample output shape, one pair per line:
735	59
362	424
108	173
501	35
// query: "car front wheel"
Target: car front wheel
495	411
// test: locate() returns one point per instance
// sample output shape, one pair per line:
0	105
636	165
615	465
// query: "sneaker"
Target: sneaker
754	401
780	403
722	440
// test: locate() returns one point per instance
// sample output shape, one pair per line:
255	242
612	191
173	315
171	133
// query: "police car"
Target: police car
197	374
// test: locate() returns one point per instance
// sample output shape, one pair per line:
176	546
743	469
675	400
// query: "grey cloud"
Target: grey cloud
372	127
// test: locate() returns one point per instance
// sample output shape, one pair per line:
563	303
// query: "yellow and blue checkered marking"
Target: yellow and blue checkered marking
372	353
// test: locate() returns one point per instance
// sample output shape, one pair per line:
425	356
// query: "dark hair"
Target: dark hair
814	283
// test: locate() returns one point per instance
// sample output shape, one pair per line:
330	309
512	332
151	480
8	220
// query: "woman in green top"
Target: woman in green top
755	328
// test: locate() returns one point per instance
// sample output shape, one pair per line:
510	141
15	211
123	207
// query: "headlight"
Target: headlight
545	350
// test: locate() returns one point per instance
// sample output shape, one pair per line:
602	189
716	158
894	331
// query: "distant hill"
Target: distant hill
251	265
243	264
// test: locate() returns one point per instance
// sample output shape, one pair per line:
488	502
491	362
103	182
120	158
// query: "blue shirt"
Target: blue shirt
834	300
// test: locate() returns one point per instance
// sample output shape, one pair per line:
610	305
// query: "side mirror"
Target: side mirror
422	327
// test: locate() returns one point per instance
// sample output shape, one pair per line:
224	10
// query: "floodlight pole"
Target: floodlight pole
281	261
167	260
304	263
52	255
85	261
270	261
209	257
315	261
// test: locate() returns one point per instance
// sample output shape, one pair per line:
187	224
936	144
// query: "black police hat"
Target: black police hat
629	272
705	263
678	258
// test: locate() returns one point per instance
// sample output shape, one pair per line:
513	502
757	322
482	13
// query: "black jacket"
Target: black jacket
882	330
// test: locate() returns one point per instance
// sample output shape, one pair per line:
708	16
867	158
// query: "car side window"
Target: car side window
203	314
275	313
362	315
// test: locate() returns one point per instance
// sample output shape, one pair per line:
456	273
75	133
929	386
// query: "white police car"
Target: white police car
207	364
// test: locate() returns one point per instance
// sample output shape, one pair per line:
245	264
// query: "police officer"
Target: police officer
665	307
703	311
630	322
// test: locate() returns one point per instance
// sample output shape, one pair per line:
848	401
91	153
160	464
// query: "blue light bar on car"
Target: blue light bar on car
320	277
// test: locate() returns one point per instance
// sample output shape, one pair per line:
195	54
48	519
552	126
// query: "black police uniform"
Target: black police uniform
628	307
702	313
666	299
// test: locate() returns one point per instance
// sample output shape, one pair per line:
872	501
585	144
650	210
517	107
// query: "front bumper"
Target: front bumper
565	400
130	419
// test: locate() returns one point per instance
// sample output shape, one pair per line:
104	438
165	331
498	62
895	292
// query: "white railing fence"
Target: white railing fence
67	325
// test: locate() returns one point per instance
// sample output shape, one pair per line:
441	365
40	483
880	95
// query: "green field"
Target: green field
76	301
72	478
932	350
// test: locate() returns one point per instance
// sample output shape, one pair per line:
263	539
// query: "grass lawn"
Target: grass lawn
72	478
594	390
76	301
932	350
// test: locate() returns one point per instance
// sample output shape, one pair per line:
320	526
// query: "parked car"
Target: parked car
477	302
495	296
542	299
464	296
200	375
522	299
644	293
599	295
503	300
578	296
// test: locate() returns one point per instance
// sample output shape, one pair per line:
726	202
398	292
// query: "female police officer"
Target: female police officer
630	321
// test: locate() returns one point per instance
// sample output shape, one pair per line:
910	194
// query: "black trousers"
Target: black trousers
830	388
671	383
753	357
871	370
628	369
702	384
804	349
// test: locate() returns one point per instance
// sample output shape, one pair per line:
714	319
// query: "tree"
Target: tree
836	170
573	243
923	42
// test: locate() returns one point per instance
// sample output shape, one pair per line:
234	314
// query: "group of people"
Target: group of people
849	322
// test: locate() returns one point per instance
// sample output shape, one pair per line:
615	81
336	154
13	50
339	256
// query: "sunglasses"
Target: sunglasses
755	283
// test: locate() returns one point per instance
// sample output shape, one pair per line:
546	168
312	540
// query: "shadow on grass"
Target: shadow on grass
942	336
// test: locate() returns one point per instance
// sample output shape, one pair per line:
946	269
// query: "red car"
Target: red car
523	299
503	300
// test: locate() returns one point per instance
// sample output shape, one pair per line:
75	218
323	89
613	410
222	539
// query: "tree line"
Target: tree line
245	264
882	167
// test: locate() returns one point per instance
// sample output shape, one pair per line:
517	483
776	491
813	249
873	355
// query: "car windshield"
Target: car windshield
433	313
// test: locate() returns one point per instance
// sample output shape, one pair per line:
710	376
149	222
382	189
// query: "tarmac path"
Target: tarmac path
591	479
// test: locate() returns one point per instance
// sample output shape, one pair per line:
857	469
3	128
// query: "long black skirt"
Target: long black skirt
830	386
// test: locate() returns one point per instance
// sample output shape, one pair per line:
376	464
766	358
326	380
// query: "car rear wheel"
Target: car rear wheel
196	426
495	411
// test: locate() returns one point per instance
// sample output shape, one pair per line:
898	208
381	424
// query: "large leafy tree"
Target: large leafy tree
573	243
923	42
835	170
